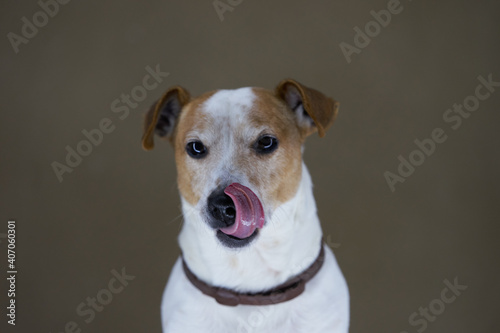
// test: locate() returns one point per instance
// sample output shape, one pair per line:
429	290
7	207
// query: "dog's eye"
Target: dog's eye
266	144
196	149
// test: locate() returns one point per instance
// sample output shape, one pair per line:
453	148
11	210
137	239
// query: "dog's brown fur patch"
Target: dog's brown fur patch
282	181
190	119
275	176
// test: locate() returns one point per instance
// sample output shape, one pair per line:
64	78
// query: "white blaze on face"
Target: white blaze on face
235	103
229	136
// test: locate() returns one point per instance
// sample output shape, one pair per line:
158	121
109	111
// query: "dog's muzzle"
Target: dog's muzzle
235	211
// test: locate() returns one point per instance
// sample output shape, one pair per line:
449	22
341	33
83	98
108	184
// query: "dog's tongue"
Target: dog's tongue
249	211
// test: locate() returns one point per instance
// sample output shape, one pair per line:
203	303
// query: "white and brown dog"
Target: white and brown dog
252	259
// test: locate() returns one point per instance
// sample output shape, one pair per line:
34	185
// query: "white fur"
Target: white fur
285	247
237	100
287	244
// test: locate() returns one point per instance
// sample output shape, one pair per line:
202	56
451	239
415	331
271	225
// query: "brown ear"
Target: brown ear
314	110
162	116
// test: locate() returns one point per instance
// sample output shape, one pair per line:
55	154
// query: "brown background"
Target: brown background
120	207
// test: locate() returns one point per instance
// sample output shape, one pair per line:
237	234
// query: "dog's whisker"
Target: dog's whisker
175	218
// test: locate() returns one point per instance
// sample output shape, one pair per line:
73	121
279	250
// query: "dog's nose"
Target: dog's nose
221	208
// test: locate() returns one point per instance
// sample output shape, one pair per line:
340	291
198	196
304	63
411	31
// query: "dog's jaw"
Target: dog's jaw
281	249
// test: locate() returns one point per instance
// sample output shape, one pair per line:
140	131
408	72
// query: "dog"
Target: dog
253	259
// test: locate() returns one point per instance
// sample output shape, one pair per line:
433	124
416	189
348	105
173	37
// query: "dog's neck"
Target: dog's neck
287	245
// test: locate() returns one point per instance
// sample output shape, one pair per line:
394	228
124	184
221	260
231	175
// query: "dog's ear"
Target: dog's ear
314	111
162	116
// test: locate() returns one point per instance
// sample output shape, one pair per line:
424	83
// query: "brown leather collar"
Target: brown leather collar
286	291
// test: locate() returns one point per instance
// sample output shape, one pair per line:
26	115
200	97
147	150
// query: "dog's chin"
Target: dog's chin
234	242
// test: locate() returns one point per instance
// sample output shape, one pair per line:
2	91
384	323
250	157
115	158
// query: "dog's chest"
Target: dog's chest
320	308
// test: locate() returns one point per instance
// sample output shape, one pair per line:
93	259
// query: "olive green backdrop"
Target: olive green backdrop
119	208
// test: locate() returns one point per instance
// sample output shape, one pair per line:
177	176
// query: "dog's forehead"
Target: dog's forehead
249	109
234	103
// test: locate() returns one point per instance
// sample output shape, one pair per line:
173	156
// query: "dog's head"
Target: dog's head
239	152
